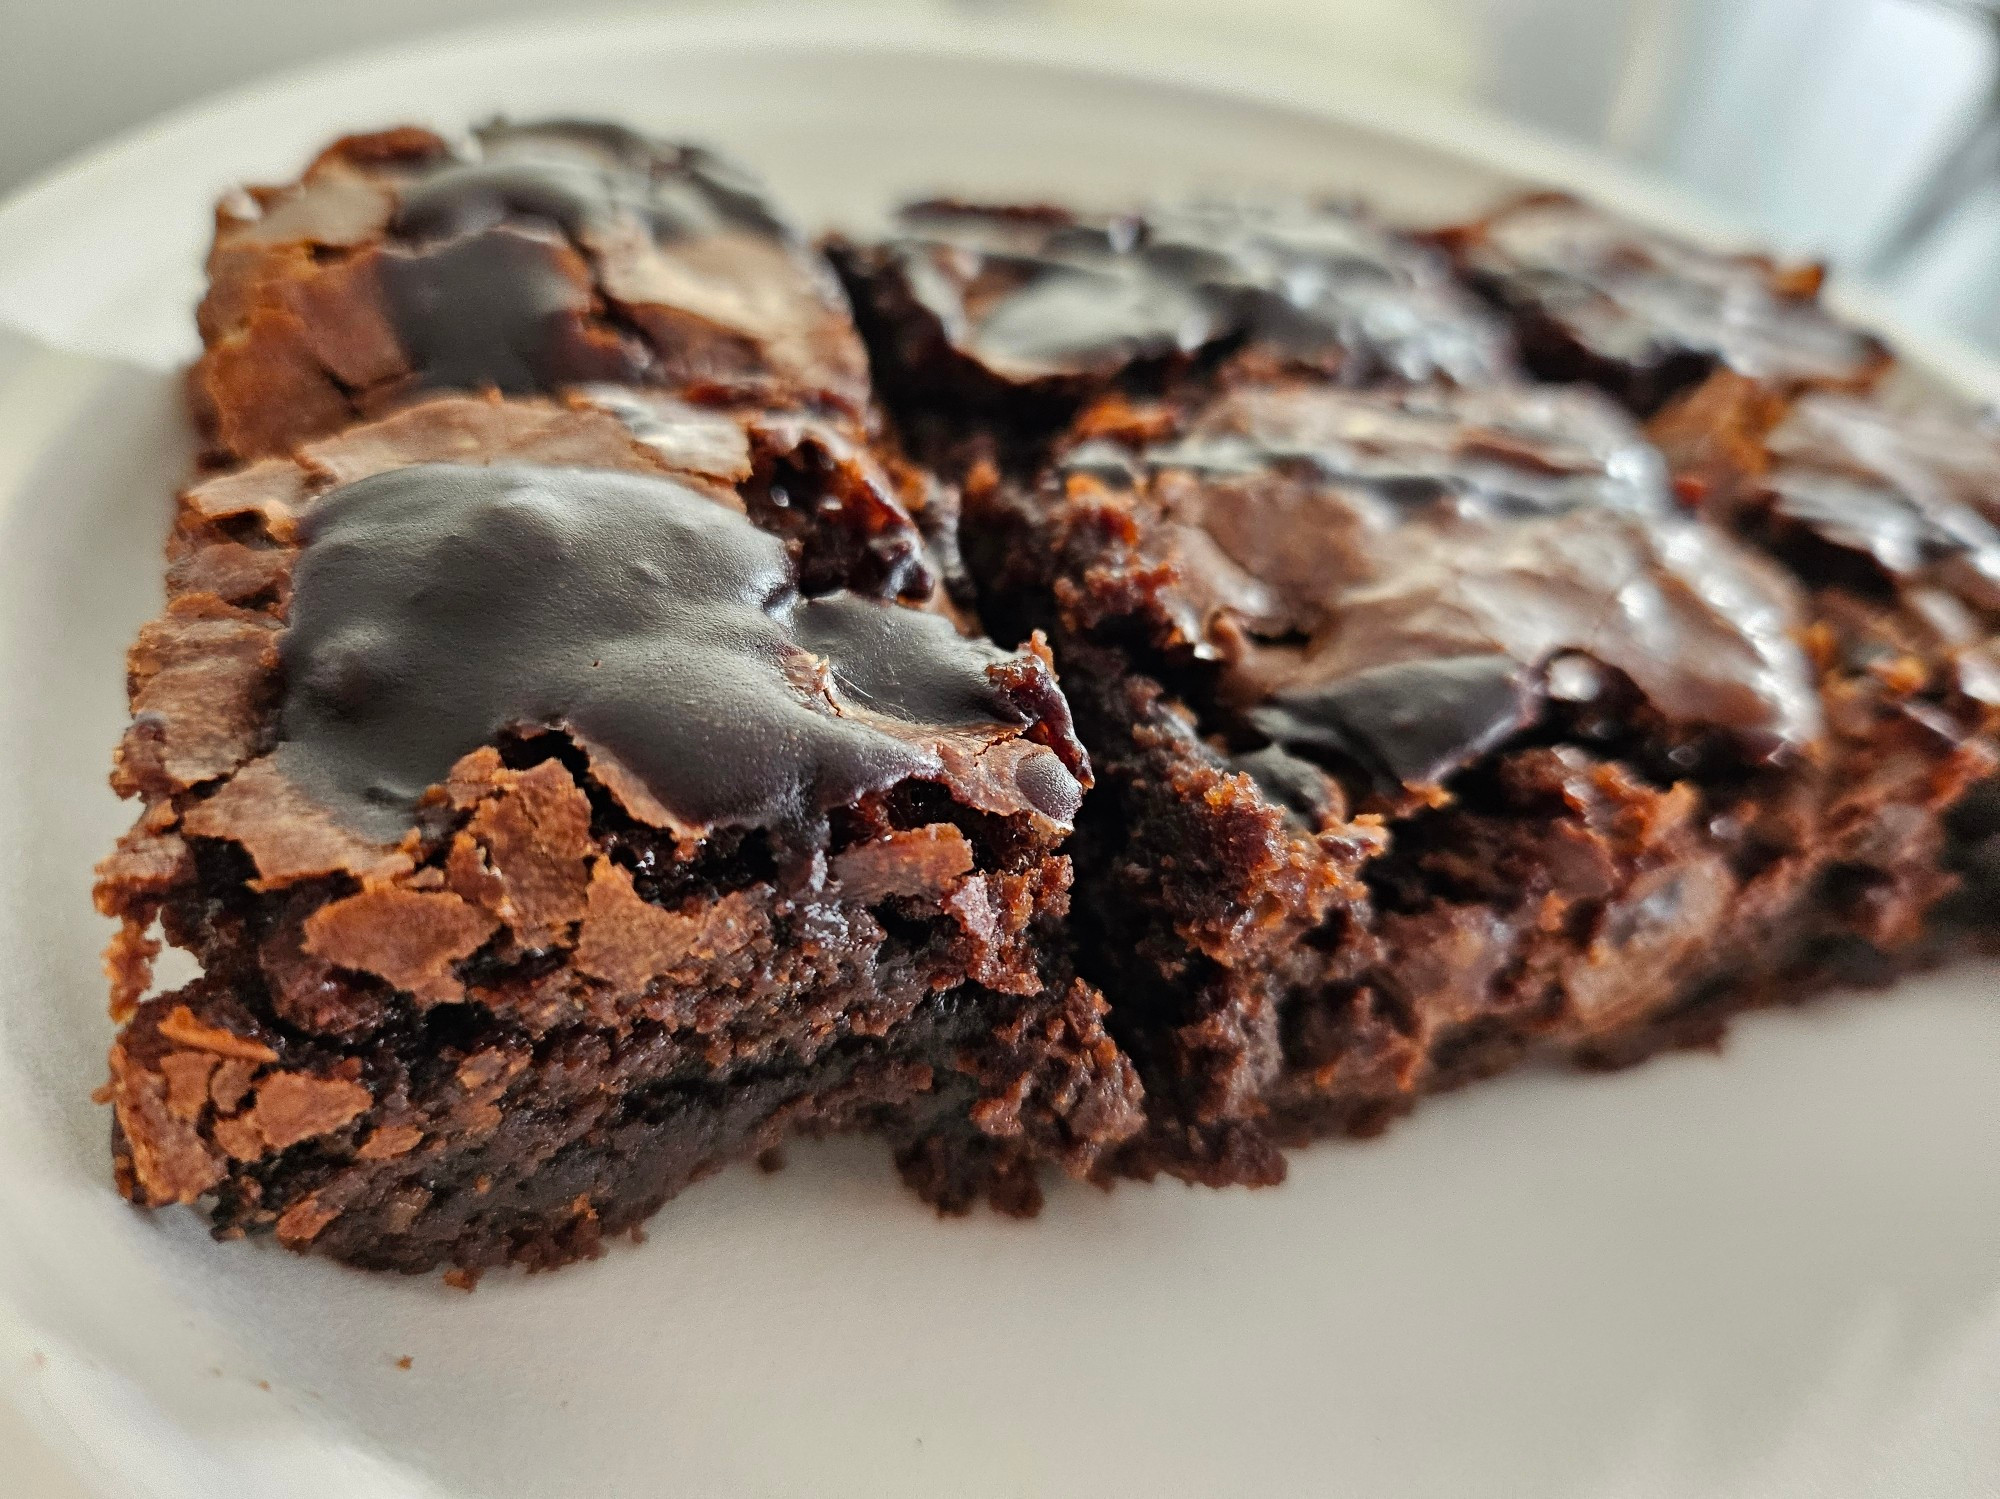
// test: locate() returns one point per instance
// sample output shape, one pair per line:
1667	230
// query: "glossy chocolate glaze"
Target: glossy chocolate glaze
436	608
1915	494
581	176
497	310
1386	580
1039	295
1656	313
493	260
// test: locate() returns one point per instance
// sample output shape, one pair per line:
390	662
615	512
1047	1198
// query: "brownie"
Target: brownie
1431	734
1888	510
545	845
524	259
1024	312
1647	316
577	752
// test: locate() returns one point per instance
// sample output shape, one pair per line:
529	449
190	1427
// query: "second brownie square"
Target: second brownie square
1432	733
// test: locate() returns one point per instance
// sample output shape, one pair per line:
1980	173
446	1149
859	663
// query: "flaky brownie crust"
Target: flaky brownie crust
551	999
1888	509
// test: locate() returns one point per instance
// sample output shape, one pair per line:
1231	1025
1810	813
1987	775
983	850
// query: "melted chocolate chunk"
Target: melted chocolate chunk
439	607
1518	451
1411	722
1291	782
1032	297
497	311
1649	315
1385	578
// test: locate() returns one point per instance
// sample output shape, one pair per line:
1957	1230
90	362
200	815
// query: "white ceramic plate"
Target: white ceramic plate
1772	1272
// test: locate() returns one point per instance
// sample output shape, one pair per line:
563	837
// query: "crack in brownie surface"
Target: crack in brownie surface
1027	310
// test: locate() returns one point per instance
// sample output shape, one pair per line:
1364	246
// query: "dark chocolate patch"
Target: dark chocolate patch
474	196
492	262
1291	782
437	608
903	663
1917	494
1093	319
581	177
498	310
1511	451
1410	723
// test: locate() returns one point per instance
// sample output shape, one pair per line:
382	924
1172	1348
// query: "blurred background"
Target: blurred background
1864	131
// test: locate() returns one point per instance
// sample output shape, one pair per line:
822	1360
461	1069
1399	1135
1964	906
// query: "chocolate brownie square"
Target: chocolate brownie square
524	259
546	845
1648	316
1432	733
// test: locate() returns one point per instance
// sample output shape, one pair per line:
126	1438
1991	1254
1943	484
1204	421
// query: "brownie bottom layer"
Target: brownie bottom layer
536	1152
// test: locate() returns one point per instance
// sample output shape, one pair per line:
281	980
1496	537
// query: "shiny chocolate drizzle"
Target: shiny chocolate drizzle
1914	493
438	608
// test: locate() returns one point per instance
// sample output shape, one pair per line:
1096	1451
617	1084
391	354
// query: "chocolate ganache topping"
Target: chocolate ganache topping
1037	294
437	607
496	262
1396	580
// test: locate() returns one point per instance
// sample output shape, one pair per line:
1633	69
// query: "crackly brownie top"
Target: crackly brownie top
526	258
437	607
356	620
1647	301
1396	581
1040	294
1916	494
